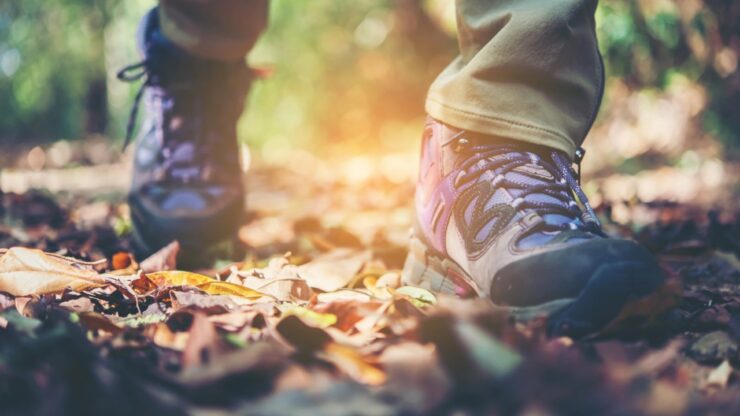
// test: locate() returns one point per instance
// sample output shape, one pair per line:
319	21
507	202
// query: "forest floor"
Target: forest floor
315	320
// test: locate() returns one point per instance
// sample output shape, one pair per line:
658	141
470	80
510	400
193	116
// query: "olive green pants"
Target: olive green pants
528	70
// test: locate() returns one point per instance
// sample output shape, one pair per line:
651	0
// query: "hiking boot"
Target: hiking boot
187	180
509	221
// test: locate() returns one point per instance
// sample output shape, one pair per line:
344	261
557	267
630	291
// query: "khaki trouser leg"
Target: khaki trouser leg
528	70
214	29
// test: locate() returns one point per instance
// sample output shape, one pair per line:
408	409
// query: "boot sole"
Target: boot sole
566	316
193	254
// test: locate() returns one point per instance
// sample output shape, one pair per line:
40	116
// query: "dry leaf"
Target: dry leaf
277	268
720	375
202	282
343	295
349	312
164	259
232	321
284	289
413	369
97	322
316	319
297	333
206	303
390	279
333	270
25	271
224	288
178	278
122	261
6	301
78	305
349	361
203	337
418	296
163	336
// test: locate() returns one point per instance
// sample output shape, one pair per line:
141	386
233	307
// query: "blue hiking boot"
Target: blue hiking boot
509	221
187	180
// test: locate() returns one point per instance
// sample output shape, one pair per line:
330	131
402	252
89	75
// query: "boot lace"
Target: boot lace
182	155
503	159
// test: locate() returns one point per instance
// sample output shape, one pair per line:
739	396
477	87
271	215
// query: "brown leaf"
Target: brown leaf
243	370
202	340
349	312
414	369
210	304
79	305
25	272
300	335
122	261
656	361
163	336
665	398
352	363
21	303
335	237
333	270
6	301
232	321
164	259
282	289
142	284
407	308
97	322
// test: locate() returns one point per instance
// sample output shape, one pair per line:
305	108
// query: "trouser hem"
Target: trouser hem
499	126
200	41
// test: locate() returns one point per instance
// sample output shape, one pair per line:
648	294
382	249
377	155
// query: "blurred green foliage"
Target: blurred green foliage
54	67
340	67
649	43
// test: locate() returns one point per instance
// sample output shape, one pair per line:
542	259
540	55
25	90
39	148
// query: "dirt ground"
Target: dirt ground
314	320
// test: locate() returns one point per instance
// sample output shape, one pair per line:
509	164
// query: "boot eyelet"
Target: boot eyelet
579	155
460	145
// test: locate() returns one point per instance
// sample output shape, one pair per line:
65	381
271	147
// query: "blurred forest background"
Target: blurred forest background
350	77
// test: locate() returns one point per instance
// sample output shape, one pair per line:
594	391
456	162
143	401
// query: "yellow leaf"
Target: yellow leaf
225	288
178	278
312	318
353	364
202	282
370	282
25	272
418	296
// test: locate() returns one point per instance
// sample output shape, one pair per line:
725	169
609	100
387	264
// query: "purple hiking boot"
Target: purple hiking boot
509	221
187	180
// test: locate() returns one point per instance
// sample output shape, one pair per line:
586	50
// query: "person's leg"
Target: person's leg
528	70
499	209
214	29
187	183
